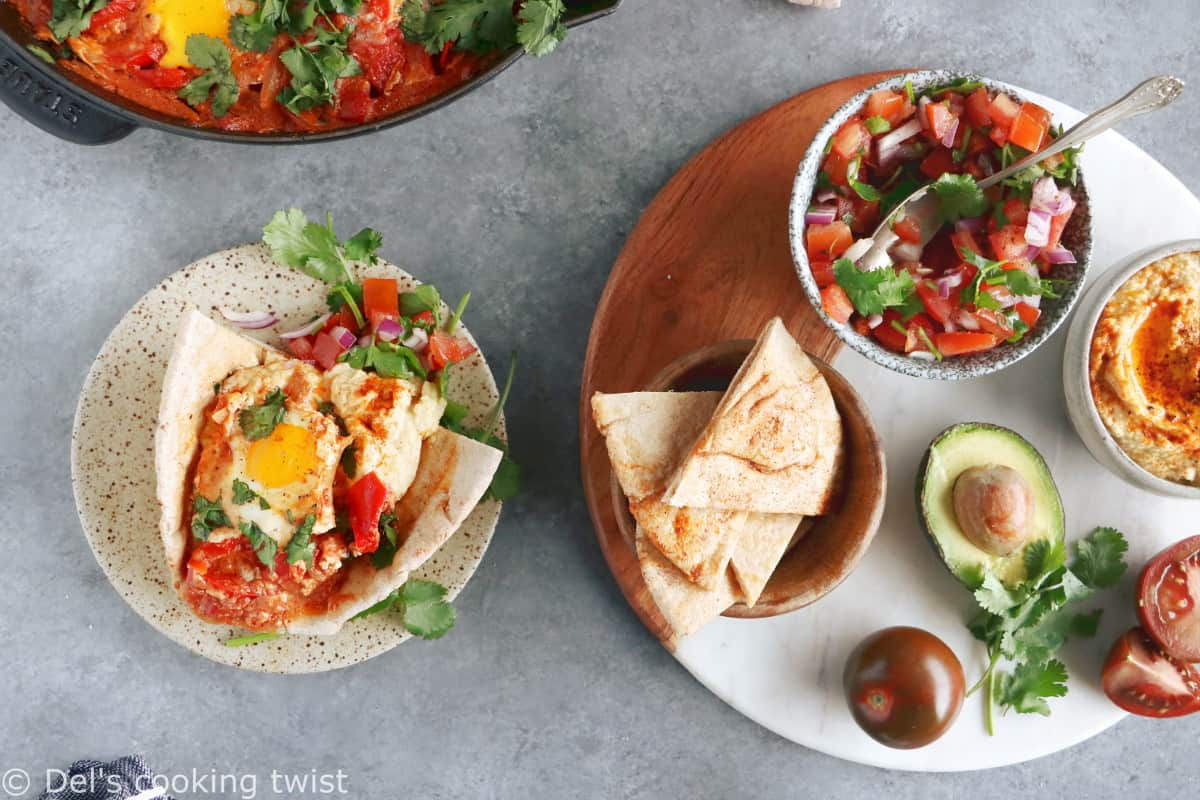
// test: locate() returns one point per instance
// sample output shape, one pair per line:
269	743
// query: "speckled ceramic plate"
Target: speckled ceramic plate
112	460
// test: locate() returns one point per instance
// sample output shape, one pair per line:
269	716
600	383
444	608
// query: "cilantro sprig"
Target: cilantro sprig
316	66
207	515
484	25
242	494
506	483
264	546
1026	624
260	421
993	274
423	607
874	291
70	18
217	82
959	197
301	547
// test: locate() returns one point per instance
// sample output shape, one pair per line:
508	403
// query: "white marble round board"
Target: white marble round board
112	459
786	672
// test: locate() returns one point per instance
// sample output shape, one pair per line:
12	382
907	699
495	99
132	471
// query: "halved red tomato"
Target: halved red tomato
938	163
892	106
326	350
344	318
913	340
994	322
301	348
354	101
1143	680
1168	591
836	168
228	567
836	303
1003	110
965	244
1028	314
114	10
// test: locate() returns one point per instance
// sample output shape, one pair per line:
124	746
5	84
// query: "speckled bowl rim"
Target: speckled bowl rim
369	638
1077	388
959	367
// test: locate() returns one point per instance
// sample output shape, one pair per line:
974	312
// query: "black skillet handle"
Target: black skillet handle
36	91
581	12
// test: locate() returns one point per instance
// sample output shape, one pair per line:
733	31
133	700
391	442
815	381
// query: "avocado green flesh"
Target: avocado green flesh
975	445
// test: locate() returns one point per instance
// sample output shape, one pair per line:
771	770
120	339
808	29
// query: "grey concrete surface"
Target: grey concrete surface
523	193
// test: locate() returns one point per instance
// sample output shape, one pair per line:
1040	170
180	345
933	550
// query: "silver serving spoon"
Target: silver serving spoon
872	253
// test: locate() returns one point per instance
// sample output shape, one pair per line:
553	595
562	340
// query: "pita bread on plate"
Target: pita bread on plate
453	476
774	443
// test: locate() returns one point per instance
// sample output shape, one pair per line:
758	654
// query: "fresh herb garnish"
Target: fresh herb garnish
260	421
264	546
389	359
389	541
217	81
70	18
41	53
316	66
877	125
424	297
872	292
960	86
459	310
959	197
1028	623
993	273
864	190
959	154
254	638
242	494
484	25
423	606
301	546
506	483
909	93
207	515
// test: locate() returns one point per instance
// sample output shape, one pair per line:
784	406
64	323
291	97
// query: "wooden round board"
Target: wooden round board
709	261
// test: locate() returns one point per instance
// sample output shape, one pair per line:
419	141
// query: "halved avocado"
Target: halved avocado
977	444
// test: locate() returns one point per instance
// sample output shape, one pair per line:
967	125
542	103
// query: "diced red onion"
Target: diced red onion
366	340
416	340
888	146
1049	198
820	215
906	251
922	117
949	326
1003	296
307	330
1058	255
388	330
966	320
874	321
1037	228
974	224
250	320
943	289
1034	300
1031	252
951	132
825	195
924	270
923	355
909	151
947	283
343	337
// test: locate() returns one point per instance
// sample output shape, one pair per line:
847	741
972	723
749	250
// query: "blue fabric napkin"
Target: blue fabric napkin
123	779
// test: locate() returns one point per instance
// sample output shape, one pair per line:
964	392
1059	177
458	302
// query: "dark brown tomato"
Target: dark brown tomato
904	687
1143	680
1168	591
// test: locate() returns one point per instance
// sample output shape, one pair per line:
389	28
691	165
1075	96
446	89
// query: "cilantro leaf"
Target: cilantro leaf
541	27
207	515
1041	557
877	125
264	546
389	359
1099	558
994	596
959	197
423	604
41	52
315	250
254	638
864	190
256	32
316	66
1026	688
217	81
362	245
301	546
424	297
479	25
873	291
70	18
260	421
389	541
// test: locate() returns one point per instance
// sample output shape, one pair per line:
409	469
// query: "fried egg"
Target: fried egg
179	19
290	470
388	419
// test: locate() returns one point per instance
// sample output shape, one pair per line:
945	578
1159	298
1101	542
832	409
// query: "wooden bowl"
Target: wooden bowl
830	546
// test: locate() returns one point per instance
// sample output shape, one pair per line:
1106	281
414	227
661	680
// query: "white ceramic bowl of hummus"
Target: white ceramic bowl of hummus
1087	417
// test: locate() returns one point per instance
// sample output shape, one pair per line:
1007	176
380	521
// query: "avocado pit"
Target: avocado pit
994	507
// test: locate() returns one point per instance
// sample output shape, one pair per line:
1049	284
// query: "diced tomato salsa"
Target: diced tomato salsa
977	283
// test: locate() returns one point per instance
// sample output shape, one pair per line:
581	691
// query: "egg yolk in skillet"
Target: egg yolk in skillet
181	18
287	456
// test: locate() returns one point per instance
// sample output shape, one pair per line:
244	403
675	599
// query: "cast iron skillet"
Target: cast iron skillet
71	108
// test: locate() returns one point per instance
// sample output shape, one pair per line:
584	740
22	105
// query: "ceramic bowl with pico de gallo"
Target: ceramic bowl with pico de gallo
1006	264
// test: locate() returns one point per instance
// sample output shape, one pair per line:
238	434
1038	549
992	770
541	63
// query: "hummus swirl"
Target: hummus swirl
1145	368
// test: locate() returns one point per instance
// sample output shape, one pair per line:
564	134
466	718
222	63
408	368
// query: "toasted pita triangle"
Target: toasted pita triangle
774	443
686	606
453	475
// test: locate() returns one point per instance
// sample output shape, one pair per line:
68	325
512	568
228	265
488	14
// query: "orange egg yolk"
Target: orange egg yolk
287	456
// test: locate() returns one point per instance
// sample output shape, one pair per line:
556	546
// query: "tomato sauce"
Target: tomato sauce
122	51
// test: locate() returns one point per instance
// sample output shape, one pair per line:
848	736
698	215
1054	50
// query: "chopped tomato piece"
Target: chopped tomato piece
1016	211
965	244
908	229
938	119
381	300
1029	127
164	77
864	215
423	318
851	140
998	135
301	348
1008	243
343	317
1057	226
963	342
913	341
887	335
1003	110
836	167
1028	314
827	242
148	57
326	350
354	101
445	349
938	163
994	322
379	53
978	108
892	106
229	568
823	273
940	308
836	303
365	502
114	10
